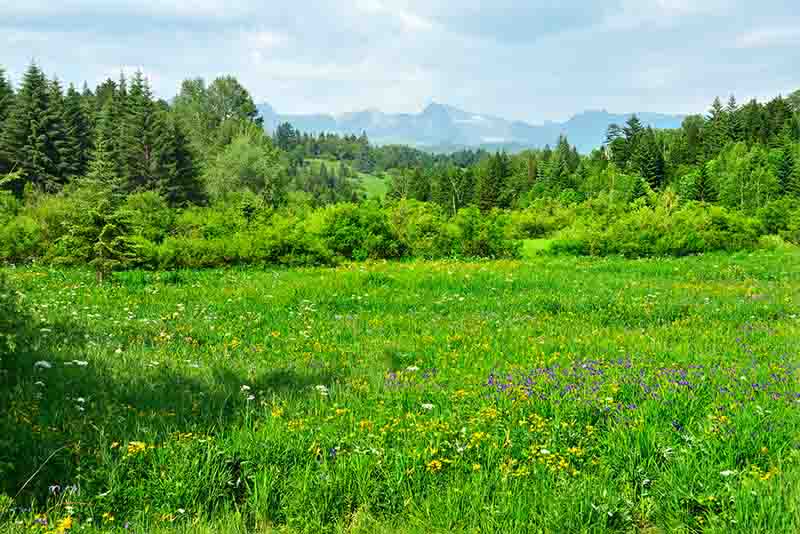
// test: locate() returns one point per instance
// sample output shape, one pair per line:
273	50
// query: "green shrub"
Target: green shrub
661	230
360	232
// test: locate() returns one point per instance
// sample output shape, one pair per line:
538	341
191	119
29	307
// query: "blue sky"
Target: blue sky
529	60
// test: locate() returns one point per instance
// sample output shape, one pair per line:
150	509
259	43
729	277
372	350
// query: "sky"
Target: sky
526	59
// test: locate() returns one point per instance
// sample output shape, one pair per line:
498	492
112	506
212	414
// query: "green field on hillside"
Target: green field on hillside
374	185
545	395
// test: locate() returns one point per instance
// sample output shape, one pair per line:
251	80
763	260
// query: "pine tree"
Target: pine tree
61	148
103	166
735	126
704	189
718	132
139	136
179	178
78	132
420	187
6	96
25	140
6	104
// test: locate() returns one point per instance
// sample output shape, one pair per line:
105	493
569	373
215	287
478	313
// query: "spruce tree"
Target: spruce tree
785	167
78	131
31	132
6	104
6	96
103	167
704	189
60	146
139	136
178	175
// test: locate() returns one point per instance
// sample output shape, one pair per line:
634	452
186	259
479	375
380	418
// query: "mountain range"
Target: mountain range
443	128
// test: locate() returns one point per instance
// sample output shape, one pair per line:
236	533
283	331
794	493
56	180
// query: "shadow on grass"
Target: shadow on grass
58	412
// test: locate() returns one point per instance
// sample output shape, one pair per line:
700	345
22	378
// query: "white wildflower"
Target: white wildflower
545	452
323	390
412	368
427	406
80	363
39	383
727	473
245	387
41	364
118	351
80	400
251	398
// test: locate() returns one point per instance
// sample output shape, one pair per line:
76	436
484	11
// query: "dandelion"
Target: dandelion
277	411
64	525
476	467
42	364
136	447
434	466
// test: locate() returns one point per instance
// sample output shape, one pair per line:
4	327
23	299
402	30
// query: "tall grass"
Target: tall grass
551	395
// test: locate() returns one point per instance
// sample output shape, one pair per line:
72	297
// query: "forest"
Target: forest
113	177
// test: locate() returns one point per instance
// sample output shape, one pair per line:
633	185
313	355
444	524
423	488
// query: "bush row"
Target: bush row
86	225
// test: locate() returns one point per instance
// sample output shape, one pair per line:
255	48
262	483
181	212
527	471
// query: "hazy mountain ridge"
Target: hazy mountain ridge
442	128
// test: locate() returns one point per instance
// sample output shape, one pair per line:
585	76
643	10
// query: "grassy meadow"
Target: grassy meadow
548	395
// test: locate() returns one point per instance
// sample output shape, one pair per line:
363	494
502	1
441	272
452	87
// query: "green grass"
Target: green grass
533	247
547	395
375	186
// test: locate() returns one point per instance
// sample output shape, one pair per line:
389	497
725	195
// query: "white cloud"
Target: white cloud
768	37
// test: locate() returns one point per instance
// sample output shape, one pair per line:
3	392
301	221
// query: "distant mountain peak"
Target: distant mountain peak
442	127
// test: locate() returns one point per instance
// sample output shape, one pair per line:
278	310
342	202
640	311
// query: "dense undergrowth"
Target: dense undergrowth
88	225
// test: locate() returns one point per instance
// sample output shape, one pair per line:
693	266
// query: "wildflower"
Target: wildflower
40	520
727	473
64	525
476	467
412	368
544	452
39	383
42	364
245	388
434	466
427	406
80	363
323	390
251	398
277	411
54	489
118	351
136	447
108	517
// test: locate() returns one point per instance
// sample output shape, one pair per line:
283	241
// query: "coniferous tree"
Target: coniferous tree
25	134
704	189
78	132
178	175
103	167
6	103
63	147
6	96
139	137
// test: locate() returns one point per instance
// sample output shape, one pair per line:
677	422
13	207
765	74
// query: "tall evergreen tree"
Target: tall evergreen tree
78	132
139	137
704	189
6	104
25	141
786	166
103	166
6	96
178	175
